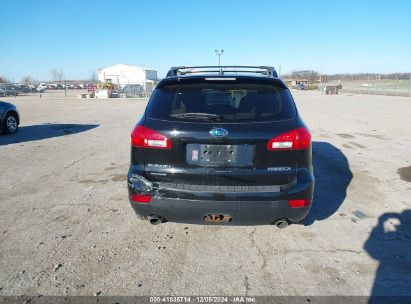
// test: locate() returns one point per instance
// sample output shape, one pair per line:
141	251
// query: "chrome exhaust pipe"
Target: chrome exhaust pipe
155	219
283	223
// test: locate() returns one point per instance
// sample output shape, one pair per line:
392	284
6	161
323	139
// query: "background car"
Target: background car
24	89
42	87
301	86
9	90
9	118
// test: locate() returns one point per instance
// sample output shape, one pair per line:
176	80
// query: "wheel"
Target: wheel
11	124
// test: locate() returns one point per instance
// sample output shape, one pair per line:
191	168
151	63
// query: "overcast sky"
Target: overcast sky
81	36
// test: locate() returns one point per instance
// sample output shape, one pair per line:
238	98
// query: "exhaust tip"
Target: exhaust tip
155	219
283	223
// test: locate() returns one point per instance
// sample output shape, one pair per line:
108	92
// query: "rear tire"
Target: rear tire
11	123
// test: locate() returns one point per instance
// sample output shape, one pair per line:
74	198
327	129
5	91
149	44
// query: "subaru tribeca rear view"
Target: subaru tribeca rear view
221	145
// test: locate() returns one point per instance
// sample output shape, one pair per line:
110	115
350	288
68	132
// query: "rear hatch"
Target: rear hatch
202	132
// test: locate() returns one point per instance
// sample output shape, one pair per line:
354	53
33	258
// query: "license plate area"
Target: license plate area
219	155
218	218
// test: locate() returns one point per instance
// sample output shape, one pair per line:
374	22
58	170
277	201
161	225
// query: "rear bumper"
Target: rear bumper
240	213
244	208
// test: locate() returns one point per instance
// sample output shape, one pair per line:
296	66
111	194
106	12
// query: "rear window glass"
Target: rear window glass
225	102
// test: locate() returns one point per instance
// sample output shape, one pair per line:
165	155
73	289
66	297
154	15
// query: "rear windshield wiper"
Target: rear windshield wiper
208	116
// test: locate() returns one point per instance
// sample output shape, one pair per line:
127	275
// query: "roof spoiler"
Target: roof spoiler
220	70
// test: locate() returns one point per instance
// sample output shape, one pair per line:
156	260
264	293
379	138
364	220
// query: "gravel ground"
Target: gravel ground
66	227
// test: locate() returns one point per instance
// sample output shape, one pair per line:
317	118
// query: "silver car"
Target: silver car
9	118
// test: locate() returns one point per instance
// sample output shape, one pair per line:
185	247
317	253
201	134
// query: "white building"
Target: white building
125	74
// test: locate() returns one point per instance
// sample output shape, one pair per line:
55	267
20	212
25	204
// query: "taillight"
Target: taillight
296	139
299	203
142	199
147	138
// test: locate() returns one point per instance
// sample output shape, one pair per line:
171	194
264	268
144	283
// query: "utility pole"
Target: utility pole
377	82
60	75
321	77
368	83
65	86
385	84
396	78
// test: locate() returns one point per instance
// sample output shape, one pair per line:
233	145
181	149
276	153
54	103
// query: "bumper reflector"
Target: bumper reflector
142	199
299	203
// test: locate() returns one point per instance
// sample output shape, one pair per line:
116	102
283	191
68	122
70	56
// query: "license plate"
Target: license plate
219	155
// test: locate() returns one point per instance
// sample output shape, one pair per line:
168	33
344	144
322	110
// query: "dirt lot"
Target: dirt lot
66	227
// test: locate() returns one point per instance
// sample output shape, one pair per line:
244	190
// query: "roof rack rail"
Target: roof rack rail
220	70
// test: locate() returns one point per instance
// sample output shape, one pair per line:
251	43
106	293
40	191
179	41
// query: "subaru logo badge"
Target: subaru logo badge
219	132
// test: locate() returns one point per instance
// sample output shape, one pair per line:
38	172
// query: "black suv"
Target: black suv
221	145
